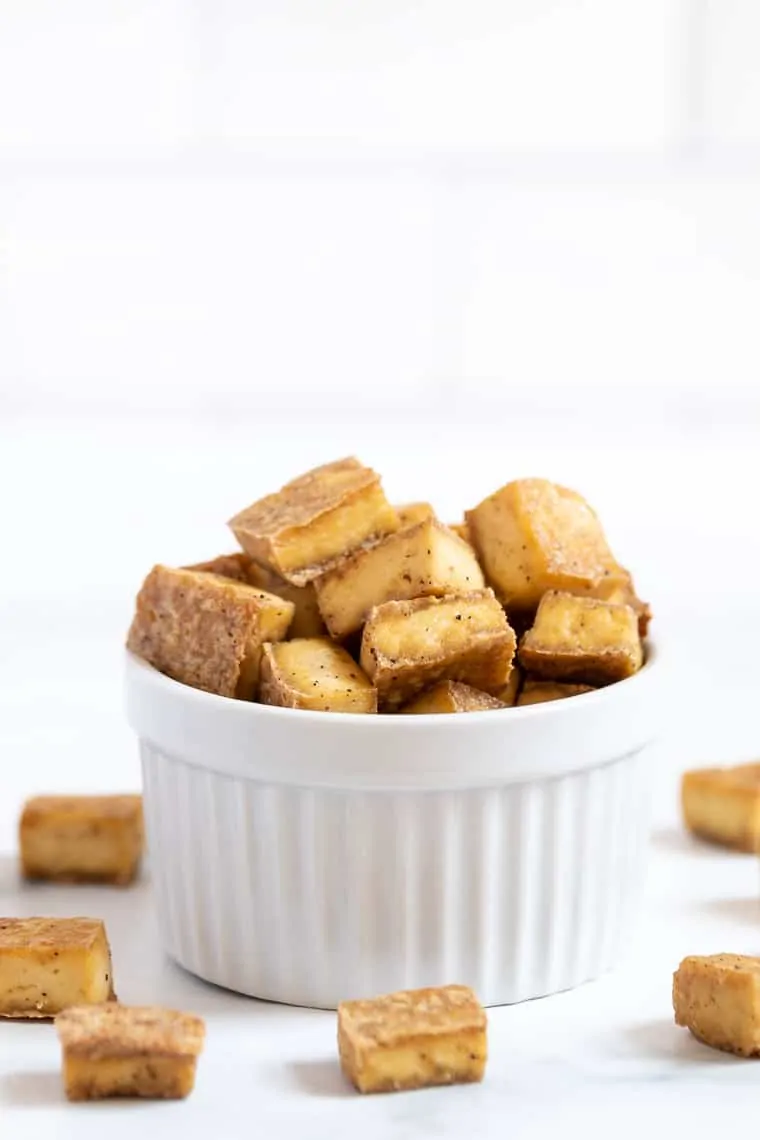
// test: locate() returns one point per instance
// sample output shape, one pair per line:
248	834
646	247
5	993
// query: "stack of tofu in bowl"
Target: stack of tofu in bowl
371	845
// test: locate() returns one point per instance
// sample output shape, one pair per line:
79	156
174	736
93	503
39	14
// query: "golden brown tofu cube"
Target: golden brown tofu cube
462	530
205	630
620	588
81	839
409	514
236	566
533	536
452	697
425	560
508	693
722	805
48	964
129	1051
413	1039
313	673
581	639
718	999
538	692
300	531
410	646
307	620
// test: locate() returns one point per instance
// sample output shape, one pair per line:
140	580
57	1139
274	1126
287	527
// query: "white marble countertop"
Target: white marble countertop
604	1060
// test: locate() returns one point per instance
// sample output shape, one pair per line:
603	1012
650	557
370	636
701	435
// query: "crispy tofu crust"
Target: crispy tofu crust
722	805
48	964
538	692
117	1051
532	536
409	646
303	529
206	630
235	566
452	697
413	1039
409	514
424	560
312	673
81	839
581	639
717	998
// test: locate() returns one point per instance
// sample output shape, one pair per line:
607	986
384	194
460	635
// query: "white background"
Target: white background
467	242
236	239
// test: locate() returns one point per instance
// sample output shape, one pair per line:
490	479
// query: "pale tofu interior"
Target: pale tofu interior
315	663
447	627
426	559
509	559
307	621
274	617
583	625
426	1061
45	982
148	1075
336	530
82	847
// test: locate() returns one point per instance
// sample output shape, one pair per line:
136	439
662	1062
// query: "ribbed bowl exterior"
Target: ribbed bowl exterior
312	895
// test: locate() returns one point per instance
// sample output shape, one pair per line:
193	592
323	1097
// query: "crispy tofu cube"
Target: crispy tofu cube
425	560
533	536
410	646
508	693
307	620
79	839
452	697
303	529
312	673
235	566
462	530
620	589
411	513
413	1039
718	999
723	805
581	639
48	964
129	1051
538	692
205	630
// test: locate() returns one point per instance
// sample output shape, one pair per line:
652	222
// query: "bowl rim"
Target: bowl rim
542	710
429	751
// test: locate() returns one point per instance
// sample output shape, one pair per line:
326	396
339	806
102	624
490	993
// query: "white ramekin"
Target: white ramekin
310	857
